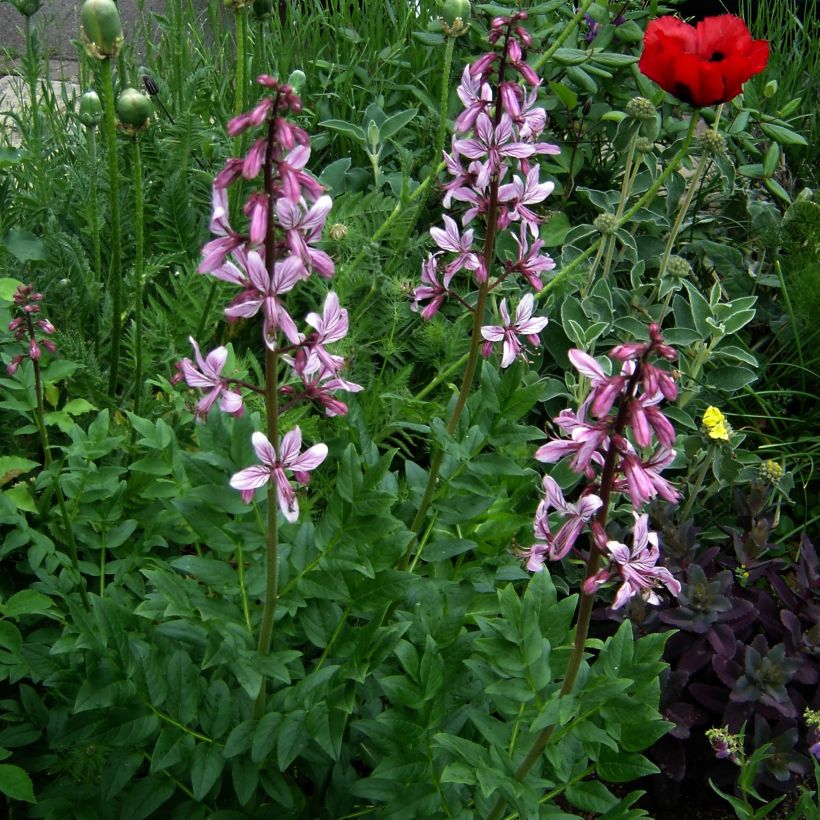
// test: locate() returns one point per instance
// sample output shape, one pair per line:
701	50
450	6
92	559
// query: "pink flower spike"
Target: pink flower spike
637	567
273	467
451	240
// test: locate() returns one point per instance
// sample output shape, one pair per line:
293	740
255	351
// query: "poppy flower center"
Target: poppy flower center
717	56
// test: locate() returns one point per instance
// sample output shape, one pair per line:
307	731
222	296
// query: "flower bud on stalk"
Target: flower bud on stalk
27	7
90	109
134	110
101	28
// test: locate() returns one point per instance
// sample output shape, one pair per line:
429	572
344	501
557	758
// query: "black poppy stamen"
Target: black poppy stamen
717	56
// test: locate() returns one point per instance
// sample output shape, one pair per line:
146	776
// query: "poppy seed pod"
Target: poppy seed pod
27	7
454	16
262	8
102	28
90	109
133	108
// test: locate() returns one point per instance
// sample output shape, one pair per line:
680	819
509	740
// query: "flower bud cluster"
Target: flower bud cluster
621	441
494	173
29	328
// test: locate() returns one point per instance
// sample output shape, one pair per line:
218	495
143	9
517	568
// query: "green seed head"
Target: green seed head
644	145
90	110
606	224
641	109
133	109
713	143
678	268
102	28
338	231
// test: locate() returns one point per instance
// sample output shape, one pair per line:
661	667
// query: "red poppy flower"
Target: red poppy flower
704	64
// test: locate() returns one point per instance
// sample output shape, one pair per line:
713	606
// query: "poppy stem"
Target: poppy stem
682	211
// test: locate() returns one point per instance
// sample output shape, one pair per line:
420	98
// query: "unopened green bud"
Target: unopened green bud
606	224
712	143
297	80
90	109
641	109
133	109
678	268
454	16
102	28
644	145
27	7
770	89
373	135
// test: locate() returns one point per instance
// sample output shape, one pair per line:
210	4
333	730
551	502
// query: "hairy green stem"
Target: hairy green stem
40	415
139	271
115	266
94	230
565	32
645	199
587	599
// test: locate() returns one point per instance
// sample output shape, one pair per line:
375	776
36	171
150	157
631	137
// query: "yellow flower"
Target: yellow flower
715	424
718	431
712	416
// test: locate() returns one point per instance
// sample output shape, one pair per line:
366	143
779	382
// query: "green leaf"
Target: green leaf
13	466
24	246
730	378
240	738
26	602
245	778
556	230
264	736
346	128
701	311
10	638
567	96
447	548
591	796
146	797
622	767
15	783
290	740
781	134
206	766
395	122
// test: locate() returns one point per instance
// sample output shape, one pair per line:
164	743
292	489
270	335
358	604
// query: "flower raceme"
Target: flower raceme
277	251
705	64
611	441
27	327
494	173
